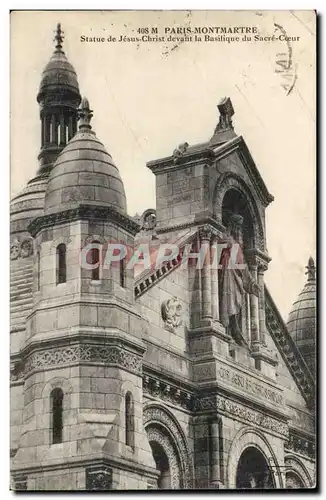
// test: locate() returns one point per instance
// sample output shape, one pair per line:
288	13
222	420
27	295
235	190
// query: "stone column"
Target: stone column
54	130
215	463
42	132
214	277
254	309
62	131
46	124
205	237
262	320
70	128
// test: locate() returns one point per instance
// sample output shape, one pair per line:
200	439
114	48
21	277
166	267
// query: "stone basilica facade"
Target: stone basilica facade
130	378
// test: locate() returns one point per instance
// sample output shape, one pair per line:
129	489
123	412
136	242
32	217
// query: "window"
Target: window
61	264
122	273
57	408
38	270
129	423
95	259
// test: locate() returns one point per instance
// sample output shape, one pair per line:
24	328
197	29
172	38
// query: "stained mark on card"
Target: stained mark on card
285	67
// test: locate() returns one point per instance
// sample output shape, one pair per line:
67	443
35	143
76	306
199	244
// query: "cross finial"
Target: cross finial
58	37
311	269
85	115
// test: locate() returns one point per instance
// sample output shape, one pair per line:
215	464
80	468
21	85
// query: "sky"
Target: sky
149	97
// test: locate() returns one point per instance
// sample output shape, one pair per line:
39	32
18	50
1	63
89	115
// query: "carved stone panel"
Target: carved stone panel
98	478
171	310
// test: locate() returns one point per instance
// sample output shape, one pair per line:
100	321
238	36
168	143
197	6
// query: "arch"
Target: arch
61	266
57	414
230	180
166	458
253	470
245	438
129	420
38	270
167	430
61	382
95	259
297	471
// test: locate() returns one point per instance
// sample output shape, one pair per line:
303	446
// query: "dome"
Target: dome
84	173
58	75
302	318
27	205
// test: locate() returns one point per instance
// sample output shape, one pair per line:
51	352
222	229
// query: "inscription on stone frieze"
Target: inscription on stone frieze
249	385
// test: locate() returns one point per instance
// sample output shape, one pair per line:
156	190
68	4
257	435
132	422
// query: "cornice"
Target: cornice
84	212
289	351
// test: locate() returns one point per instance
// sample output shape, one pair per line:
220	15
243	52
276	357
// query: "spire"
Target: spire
224	130
311	269
85	115
58	38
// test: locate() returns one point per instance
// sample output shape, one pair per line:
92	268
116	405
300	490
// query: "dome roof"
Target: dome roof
84	173
302	318
27	205
58	74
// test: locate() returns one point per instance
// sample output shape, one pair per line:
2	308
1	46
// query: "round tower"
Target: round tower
302	318
59	99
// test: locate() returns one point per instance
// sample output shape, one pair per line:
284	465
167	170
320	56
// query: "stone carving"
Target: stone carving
155	414
180	151
148	224
300	444
110	355
217	402
168	393
155	434
99	479
293	482
14	250
26	248
171	310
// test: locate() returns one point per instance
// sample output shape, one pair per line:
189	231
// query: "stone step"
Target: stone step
21	302
28	278
20	314
20	294
21	270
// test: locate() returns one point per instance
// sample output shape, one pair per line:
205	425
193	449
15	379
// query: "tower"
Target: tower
83	347
302	319
59	99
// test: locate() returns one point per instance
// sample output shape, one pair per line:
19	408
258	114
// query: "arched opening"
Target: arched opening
234	285
162	465
253	471
95	260
122	273
57	410
129	420
38	270
235	203
293	481
61	264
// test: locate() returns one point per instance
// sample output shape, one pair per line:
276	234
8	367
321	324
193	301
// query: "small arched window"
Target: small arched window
57	409
95	259
38	270
61	264
129	423
122	273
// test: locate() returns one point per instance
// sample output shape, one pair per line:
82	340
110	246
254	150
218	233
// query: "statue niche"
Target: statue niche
236	285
